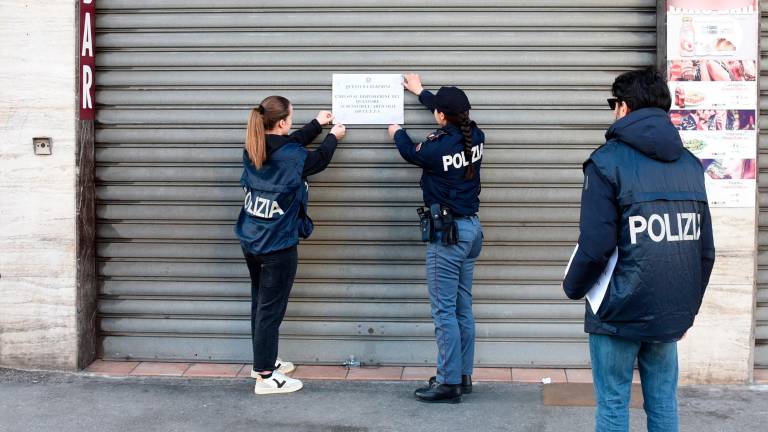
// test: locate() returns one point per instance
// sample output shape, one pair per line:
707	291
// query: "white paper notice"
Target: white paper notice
368	98
596	294
570	260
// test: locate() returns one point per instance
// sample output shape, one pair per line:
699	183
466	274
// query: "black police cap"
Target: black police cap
451	100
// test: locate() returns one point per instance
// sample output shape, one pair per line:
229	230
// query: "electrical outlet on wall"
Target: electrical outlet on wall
42	146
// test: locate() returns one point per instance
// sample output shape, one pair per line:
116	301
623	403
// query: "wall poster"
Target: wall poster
712	69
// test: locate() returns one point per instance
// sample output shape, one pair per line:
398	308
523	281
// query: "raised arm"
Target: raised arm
311	130
318	160
412	82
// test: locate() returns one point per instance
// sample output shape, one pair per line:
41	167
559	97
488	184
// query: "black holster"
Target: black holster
436	219
425	224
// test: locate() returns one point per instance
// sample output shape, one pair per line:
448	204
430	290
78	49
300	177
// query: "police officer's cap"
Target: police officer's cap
451	100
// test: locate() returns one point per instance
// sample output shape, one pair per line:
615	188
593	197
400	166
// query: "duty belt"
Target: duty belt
437	218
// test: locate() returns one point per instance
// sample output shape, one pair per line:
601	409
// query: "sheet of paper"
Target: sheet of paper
571	259
596	294
368	98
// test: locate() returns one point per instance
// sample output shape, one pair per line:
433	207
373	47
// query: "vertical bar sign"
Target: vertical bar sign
87	59
712	71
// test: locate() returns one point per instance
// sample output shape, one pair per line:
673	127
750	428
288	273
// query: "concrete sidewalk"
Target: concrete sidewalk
43	401
337	373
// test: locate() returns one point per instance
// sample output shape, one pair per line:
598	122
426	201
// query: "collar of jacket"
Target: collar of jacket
274	142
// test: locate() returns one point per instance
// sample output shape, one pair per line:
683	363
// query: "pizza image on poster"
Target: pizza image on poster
720	145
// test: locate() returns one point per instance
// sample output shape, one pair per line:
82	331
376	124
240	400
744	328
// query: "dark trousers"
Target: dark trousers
272	276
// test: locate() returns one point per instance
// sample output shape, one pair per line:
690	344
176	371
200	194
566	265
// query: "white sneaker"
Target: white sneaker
277	383
283	367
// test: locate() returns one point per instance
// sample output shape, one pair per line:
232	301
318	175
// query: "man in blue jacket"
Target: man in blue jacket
644	198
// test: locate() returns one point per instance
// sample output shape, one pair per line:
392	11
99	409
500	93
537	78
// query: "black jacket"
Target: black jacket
317	160
643	193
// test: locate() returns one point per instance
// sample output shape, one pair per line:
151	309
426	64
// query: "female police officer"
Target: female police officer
273	217
450	158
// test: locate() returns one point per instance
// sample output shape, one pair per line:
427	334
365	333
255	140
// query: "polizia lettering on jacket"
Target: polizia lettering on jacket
458	160
660	227
261	207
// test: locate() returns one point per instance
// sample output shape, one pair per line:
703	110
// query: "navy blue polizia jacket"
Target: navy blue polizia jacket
274	213
441	156
643	193
275	197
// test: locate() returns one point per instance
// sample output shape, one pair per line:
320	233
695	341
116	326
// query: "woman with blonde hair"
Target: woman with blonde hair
272	219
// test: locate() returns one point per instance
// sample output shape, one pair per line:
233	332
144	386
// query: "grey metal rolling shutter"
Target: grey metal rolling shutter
761	313
176	79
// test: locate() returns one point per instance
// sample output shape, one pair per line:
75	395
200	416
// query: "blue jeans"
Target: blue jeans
613	359
449	279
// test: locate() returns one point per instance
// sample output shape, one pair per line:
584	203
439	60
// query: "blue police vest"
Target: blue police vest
656	288
274	213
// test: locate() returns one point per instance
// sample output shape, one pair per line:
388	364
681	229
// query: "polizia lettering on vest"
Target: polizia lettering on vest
659	227
261	207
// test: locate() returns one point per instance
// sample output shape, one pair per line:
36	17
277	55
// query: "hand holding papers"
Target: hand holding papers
392	130
339	130
412	82
324	117
596	294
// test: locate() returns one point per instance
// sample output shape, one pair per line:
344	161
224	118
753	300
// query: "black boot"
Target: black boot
440	393
466	383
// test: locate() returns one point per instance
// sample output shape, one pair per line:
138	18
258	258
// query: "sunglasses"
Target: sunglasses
612	102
